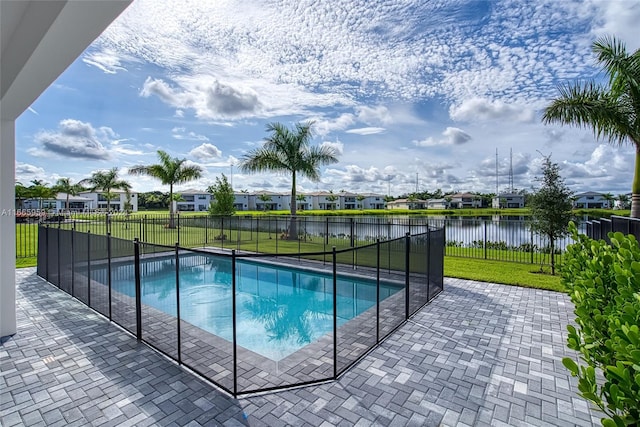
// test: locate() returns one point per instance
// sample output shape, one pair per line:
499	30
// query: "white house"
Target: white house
508	200
437	204
590	200
407	204
119	202
268	201
372	201
324	200
59	203
193	200
465	201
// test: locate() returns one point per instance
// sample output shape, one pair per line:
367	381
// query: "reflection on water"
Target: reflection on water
279	309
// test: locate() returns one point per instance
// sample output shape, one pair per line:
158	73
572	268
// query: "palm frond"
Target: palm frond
591	106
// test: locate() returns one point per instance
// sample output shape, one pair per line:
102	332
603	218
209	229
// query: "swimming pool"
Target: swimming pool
280	309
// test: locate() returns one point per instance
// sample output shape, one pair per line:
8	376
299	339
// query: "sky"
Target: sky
410	94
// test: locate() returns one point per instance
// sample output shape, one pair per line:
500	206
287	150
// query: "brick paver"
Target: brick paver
481	354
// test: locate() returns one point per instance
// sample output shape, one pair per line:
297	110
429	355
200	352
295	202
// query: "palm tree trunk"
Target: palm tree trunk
635	188
172	223
293	226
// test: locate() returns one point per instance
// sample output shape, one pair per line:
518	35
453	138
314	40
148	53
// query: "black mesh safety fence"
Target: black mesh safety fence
249	321
123	289
158	267
418	247
81	266
436	261
65	260
206	315
99	273
52	260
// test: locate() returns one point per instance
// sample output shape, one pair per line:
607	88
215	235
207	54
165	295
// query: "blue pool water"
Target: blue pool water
279	309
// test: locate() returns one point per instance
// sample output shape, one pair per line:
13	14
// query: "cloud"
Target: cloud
27	171
620	18
107	60
205	152
366	131
325	126
480	109
374	115
452	136
181	133
75	139
337	146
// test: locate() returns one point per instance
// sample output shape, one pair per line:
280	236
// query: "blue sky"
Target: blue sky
405	91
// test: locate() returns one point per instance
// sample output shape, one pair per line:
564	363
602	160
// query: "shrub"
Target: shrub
603	282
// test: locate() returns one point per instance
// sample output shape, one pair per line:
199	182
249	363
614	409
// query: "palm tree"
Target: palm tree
623	199
169	171
289	151
360	198
331	198
301	198
105	182
40	191
63	185
613	111
609	198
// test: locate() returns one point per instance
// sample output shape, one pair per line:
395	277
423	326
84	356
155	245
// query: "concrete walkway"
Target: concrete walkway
480	354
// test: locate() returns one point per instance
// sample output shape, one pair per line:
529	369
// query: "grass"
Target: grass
507	273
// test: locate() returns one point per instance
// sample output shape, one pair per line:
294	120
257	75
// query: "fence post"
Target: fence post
58	255
136	269
206	230
407	261
178	227
377	290
532	246
485	239
429	265
335	316
109	269
178	304
46	260
73	260
351	240
222	231
89	268
326	230
233	304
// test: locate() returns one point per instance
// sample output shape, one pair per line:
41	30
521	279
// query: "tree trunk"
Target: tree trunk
635	188
172	223
293	225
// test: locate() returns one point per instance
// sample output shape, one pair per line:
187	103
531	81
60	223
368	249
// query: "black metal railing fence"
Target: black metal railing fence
493	239
363	293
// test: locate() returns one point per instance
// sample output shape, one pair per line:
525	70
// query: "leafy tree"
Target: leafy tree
170	171
360	198
64	185
289	151
22	193
105	182
264	198
223	203
613	111
551	207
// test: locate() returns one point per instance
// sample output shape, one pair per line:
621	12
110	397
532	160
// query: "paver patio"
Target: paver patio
480	354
